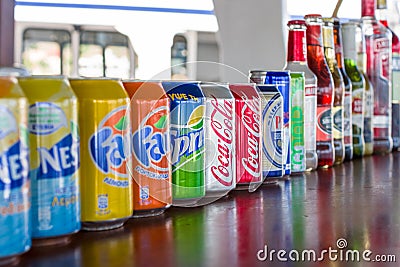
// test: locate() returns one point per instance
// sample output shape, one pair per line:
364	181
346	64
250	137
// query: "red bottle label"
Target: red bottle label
324	123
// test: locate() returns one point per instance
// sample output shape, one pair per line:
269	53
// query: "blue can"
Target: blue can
15	228
281	79
272	117
54	158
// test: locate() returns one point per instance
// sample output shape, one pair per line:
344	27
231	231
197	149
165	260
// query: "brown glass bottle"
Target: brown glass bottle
317	63
347	118
337	110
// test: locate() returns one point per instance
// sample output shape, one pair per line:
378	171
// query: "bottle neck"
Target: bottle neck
337	38
297	50
368	8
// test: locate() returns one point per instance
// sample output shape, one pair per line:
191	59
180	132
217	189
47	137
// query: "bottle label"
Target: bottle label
310	107
358	107
396	77
324	123
380	121
347	130
337	122
367	130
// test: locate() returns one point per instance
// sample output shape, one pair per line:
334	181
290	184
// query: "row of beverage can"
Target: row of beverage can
92	153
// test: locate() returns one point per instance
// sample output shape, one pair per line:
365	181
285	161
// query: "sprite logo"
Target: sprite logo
188	139
150	141
109	146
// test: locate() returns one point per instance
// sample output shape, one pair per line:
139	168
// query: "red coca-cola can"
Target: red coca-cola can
248	135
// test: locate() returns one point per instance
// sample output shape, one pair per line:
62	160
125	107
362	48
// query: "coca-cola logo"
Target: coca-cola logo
222	126
250	115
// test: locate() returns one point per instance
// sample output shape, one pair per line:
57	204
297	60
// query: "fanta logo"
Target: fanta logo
14	166
149	147
250	115
150	141
222	126
186	144
60	160
46	118
109	147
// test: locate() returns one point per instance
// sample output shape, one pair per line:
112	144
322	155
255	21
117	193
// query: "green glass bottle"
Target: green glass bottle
350	31
369	94
330	55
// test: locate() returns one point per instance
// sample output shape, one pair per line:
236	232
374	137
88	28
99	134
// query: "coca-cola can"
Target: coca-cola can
220	140
248	135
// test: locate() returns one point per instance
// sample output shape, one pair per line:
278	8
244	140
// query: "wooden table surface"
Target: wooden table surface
358	201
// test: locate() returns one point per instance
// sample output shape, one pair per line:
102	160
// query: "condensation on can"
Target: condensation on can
150	169
15	231
54	158
248	135
106	153
220	140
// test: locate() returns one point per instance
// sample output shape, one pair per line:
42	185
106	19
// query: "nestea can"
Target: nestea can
15	222
54	158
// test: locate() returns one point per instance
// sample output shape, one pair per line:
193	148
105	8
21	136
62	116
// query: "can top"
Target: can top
139	90
98	88
9	88
280	73
328	21
269	88
43	77
218	91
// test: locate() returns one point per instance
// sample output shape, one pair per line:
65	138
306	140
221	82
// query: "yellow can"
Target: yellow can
54	158
106	187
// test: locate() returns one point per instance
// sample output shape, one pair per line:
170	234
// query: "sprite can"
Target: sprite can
187	141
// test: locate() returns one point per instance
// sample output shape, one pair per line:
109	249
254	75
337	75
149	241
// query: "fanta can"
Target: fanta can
106	186
15	223
248	136
151	168
187	141
54	158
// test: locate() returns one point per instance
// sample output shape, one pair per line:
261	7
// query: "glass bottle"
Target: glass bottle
379	56
381	8
297	61
351	31
347	118
318	65
337	110
369	91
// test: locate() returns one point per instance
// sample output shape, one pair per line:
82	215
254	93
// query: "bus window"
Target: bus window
104	54
179	58
47	51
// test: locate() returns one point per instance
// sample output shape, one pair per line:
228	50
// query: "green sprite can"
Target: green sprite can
187	141
297	150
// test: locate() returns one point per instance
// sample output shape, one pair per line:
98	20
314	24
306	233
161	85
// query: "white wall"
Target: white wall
251	36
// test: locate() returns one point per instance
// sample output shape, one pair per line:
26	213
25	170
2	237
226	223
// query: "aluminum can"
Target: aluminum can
54	158
220	140
280	79
15	230
187	141
297	142
272	128
106	187
248	135
150	169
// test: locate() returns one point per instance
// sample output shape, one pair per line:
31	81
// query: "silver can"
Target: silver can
272	131
220	140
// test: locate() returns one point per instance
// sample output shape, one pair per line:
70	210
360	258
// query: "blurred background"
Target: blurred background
159	39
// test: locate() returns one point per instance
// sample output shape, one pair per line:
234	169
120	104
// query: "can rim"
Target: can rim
94	79
43	77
